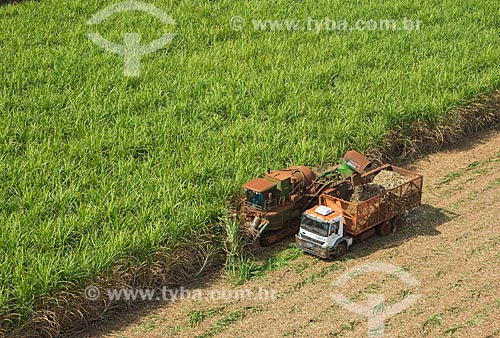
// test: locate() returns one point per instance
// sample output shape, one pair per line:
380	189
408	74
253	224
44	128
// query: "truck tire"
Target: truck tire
340	250
384	229
397	222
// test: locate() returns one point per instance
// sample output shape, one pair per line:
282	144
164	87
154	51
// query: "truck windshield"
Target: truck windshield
314	225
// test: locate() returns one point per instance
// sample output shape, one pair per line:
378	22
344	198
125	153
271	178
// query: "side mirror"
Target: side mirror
332	229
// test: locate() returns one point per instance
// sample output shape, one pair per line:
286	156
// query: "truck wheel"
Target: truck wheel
340	250
397	222
384	229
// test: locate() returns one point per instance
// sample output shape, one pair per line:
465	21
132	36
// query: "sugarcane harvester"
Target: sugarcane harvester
272	204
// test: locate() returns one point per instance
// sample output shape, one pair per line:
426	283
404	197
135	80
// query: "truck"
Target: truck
328	229
272	205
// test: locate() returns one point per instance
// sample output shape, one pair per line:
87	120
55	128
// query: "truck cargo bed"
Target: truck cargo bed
364	215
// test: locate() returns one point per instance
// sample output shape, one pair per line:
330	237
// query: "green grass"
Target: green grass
245	266
434	320
453	329
198	316
96	167
229	319
450	177
316	276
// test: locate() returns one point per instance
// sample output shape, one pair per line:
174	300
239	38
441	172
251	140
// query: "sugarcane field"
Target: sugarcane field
249	169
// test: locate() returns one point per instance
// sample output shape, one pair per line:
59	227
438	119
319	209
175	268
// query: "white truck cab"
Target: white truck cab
322	233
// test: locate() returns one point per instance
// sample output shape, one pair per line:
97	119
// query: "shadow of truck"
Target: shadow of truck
420	221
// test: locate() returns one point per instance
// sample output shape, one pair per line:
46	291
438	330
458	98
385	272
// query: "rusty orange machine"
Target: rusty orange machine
272	204
328	229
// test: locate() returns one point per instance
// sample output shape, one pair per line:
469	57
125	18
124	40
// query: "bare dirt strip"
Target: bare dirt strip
450	245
